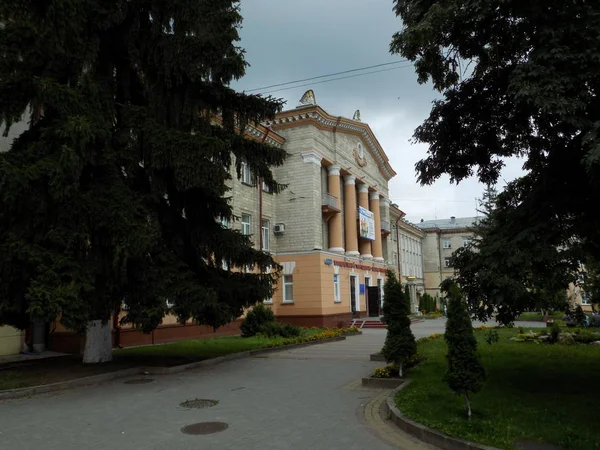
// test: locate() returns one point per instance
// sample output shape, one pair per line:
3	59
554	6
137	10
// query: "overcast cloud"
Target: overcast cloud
287	41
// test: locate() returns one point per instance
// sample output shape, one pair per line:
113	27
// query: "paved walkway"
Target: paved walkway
307	398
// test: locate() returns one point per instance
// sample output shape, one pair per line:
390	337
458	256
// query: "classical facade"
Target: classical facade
330	228
442	238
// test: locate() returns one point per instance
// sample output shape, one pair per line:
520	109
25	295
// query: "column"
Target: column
335	223
376	245
364	245
350	209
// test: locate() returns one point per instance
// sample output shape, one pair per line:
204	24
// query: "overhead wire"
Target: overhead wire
327	75
336	79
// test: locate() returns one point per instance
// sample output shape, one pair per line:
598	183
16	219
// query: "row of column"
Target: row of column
353	246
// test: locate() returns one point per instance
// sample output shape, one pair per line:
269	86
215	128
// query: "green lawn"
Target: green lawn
534	392
537	316
197	350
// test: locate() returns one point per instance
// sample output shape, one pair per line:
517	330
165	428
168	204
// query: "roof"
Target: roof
454	223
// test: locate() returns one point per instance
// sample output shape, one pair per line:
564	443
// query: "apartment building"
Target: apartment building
442	238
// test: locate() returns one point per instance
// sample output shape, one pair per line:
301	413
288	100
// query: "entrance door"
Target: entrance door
374	301
353	293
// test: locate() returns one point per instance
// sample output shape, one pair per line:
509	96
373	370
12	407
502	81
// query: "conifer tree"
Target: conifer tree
117	188
465	372
400	343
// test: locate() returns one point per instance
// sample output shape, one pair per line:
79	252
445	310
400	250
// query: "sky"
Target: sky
286	40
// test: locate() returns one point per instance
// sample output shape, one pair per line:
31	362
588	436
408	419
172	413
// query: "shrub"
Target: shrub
400	345
276	329
554	332
585	336
427	304
579	318
465	372
256	319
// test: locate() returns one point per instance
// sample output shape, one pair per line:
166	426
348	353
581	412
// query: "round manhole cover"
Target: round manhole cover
139	381
197	429
199	403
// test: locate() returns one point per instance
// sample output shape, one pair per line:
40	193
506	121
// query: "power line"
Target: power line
326	76
335	79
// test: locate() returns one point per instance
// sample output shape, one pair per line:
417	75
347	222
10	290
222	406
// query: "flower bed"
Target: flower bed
326	334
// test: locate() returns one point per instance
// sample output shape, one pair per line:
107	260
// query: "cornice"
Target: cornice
317	115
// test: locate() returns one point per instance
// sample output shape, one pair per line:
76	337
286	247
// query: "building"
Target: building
333	230
442	238
407	242
330	228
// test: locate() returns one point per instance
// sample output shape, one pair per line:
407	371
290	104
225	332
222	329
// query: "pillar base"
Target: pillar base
367	256
353	253
378	258
337	249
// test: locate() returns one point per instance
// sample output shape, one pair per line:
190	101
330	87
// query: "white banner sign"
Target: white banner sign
366	224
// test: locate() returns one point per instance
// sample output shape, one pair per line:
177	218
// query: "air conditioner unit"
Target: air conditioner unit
279	228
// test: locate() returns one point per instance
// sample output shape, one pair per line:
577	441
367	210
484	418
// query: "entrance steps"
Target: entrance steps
368	322
373	322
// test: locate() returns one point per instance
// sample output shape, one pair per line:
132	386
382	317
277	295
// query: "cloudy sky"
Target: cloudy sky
287	41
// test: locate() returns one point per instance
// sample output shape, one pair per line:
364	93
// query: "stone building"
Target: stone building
442	238
330	229
333	230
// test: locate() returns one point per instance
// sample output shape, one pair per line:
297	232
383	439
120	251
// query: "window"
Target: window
288	289
447	243
268	301
447	262
224	222
266	188
265	228
584	299
247	177
466	241
246	224
336	289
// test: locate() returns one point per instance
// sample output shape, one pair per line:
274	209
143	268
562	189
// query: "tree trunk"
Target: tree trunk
98	345
468	405
400	370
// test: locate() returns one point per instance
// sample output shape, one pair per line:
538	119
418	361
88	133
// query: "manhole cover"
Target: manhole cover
139	381
199	403
197	429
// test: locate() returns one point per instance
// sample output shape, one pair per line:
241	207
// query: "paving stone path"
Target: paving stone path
307	398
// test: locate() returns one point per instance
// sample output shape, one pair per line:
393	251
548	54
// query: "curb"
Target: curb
149	370
382	383
424	433
78	382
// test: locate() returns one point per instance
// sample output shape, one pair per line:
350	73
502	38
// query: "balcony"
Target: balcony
386	229
330	205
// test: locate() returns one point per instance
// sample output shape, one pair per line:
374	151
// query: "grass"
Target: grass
534	392
538	317
52	370
197	350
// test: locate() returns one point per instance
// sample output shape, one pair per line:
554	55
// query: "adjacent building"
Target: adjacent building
442	238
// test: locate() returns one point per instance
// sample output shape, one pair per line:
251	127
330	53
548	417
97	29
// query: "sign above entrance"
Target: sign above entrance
366	224
358	266
328	261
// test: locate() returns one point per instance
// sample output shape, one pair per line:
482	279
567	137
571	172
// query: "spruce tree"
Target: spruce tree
465	372
400	343
116	190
